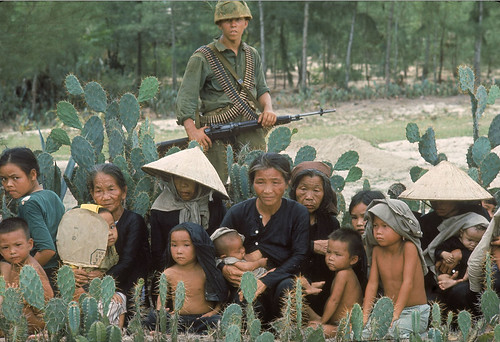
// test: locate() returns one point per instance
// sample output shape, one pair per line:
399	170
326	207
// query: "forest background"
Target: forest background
381	64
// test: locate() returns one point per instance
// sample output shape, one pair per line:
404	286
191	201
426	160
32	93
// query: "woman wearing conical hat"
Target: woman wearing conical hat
192	192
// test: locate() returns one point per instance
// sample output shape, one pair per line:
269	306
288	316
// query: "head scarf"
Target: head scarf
451	227
399	217
215	285
324	169
195	210
476	260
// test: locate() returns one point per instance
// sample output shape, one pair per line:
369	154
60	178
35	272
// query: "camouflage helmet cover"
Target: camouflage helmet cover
231	10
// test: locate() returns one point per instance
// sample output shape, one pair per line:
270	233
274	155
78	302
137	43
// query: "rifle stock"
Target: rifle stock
222	131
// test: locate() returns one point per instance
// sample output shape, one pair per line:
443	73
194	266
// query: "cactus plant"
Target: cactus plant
107	291
357	321
12	306
233	333
254	329
66	282
95	288
97	332
31	287
464	323
381	317
231	316
266	336
248	286
74	318
55	315
90	312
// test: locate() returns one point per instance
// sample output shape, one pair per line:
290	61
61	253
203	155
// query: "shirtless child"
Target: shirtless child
345	250
15	247
393	243
191	259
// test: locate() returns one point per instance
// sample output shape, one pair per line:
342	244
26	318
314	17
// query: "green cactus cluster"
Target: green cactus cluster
484	165
114	121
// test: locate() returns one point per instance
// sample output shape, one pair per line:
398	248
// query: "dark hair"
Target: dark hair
13	224
365	197
23	157
109	169
220	243
355	248
270	160
329	195
103	210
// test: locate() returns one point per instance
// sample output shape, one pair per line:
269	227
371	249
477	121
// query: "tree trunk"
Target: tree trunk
395	66
441	55
388	50
172	37
425	69
34	90
349	47
477	44
262	38
303	83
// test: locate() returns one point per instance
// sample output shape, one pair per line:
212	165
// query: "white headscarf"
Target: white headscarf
194	210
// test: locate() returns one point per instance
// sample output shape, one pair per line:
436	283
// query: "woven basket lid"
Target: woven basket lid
190	163
445	182
82	238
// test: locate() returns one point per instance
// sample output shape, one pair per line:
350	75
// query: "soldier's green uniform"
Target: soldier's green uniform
200	83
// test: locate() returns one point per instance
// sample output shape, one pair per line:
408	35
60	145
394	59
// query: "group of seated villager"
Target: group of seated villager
289	230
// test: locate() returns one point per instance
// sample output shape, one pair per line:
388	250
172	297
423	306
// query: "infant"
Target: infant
229	249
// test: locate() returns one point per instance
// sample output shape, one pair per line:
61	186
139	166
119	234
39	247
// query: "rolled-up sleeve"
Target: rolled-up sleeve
189	91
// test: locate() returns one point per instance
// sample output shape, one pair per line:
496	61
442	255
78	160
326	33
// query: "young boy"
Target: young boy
466	241
229	249
191	259
392	234
15	247
345	250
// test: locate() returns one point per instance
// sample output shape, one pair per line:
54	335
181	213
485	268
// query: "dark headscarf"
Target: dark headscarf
215	286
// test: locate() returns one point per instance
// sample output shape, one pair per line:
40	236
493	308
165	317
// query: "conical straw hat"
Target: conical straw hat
445	182
190	163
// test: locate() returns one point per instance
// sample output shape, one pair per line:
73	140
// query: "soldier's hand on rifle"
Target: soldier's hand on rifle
197	134
267	119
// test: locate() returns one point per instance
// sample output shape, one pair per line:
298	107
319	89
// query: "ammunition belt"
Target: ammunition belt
240	100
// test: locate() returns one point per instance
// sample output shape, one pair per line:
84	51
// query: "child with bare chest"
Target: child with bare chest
393	243
345	256
191	259
15	247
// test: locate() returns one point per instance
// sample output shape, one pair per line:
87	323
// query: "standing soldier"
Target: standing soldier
227	76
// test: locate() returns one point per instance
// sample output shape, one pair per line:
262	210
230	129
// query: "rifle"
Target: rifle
221	131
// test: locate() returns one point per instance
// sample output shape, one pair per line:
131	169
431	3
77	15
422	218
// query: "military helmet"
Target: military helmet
231	10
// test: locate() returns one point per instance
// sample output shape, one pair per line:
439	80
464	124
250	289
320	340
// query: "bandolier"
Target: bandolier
241	103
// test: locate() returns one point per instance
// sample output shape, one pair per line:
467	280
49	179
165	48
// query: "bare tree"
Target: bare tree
303	83
388	49
172	37
262	38
477	44
349	47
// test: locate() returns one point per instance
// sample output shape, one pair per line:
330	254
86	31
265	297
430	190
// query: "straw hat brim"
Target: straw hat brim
445	182
190	163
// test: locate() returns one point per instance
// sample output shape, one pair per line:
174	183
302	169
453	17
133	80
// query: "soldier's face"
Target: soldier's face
232	29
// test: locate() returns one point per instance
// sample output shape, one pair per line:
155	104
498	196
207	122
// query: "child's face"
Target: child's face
15	247
186	188
182	248
113	232
16	182
337	256
470	237
358	217
384	234
235	247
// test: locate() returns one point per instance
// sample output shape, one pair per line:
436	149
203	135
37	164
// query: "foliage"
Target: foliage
129	149
484	165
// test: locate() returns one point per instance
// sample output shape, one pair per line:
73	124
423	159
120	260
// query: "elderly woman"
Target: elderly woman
311	187
108	189
274	227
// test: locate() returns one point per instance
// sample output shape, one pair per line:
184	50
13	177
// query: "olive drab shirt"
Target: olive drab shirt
199	81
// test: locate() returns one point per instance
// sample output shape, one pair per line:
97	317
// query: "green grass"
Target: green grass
382	132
